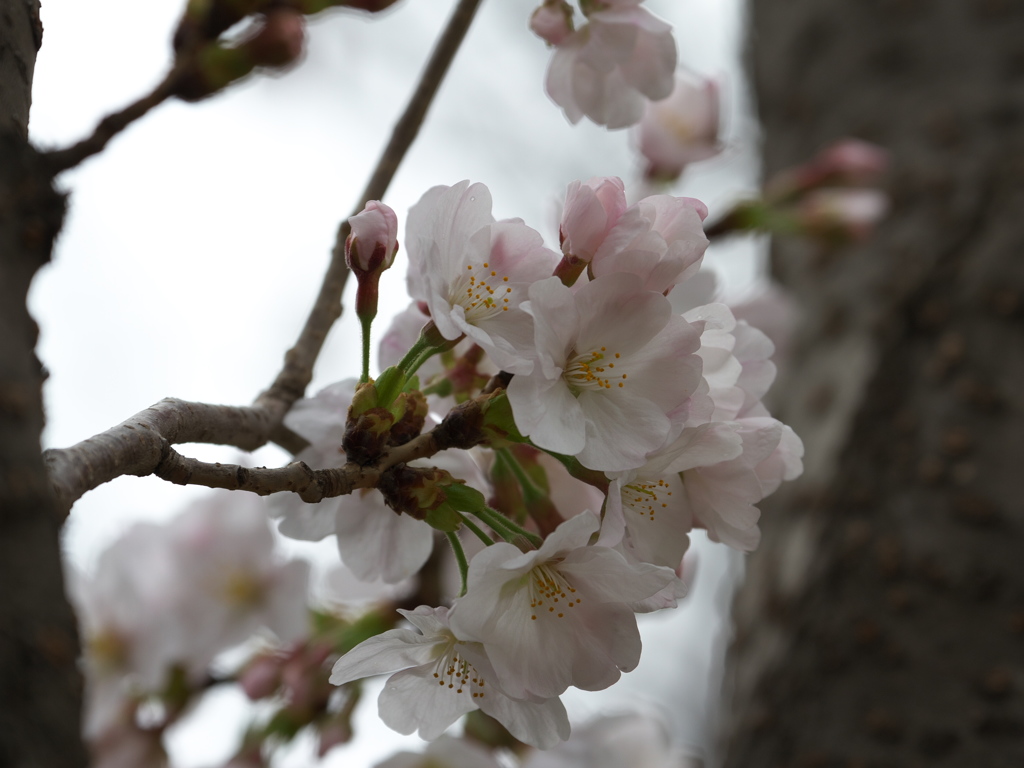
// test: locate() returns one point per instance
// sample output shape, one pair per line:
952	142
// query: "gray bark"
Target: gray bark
40	686
882	621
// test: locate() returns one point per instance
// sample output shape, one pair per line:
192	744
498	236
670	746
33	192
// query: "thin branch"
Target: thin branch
312	485
111	125
291	383
139	445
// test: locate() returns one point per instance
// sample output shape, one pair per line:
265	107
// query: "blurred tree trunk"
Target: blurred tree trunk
882	620
40	686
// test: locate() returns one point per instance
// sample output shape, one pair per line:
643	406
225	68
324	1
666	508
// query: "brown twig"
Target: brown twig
139	445
312	485
291	383
62	159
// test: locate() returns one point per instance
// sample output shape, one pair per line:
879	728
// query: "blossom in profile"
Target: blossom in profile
557	616
373	242
661	239
591	211
438	678
681	129
610	67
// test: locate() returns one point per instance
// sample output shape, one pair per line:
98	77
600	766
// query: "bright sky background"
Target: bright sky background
196	242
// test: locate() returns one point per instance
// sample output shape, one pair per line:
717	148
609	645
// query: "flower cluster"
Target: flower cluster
167	599
655	419
610	67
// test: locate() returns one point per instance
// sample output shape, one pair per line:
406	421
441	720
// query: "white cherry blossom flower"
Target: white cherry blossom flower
613	741
681	129
721	497
559	615
608	68
441	678
473	272
612	363
646	512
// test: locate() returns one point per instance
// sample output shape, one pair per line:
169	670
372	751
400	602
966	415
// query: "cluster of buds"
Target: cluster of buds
835	197
275	39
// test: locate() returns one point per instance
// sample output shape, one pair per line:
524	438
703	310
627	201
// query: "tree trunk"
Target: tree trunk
40	686
882	620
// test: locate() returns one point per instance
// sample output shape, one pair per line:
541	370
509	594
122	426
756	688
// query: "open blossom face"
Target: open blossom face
442	678
646	510
681	129
557	616
473	272
612	363
609	68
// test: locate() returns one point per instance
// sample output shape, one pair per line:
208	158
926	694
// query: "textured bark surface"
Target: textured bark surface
882	622
40	687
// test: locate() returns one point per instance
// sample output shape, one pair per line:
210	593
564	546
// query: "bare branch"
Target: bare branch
139	445
111	125
291	383
312	485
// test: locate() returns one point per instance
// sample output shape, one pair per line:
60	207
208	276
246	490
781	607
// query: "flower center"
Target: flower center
645	499
593	370
457	674
550	592
482	292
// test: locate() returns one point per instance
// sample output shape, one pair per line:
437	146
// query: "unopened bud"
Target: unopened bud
366	435
261	676
413	417
369	250
842	214
279	42
552	21
420	493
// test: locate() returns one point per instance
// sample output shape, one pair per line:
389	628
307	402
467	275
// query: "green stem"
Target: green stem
531	492
412	355
460	558
505	528
366	322
477	531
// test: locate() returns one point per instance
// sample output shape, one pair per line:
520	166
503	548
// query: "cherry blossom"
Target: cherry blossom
557	616
473	272
721	497
612	741
590	212
613	362
442	677
646	509
661	239
607	69
681	129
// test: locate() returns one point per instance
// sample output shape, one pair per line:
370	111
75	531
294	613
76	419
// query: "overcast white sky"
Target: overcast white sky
196	241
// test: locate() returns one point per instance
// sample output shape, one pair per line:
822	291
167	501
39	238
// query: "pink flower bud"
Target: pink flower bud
681	129
261	676
590	212
552	21
372	245
842	213
279	42
854	161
